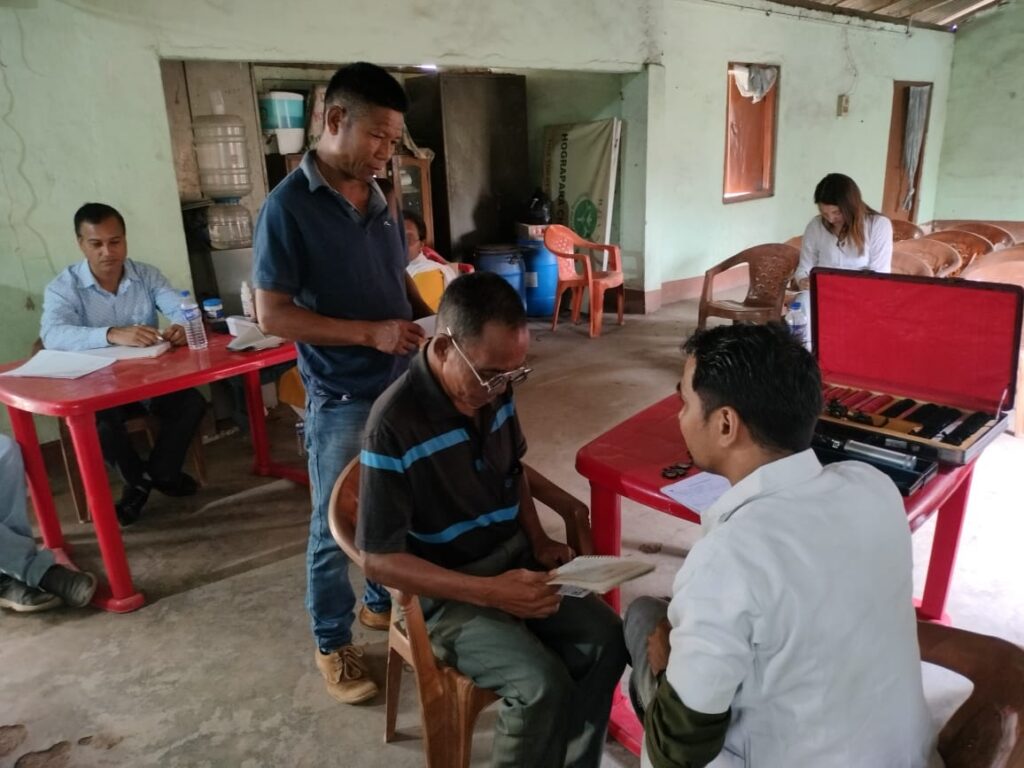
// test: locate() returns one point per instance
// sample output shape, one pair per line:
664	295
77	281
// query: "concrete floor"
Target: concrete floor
217	670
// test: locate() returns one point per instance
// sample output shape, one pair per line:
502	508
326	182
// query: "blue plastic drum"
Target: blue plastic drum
503	260
540	278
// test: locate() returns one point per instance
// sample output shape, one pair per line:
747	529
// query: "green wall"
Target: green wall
982	174
820	58
82	114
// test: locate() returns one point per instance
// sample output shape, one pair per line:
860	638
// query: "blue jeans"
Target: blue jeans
19	556
334	434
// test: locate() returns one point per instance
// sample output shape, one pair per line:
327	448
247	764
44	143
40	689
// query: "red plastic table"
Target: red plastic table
627	461
126	381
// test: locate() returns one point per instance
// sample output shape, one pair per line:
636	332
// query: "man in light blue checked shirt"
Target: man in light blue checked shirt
108	300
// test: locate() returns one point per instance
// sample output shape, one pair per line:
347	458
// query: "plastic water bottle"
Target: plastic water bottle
796	319
248	305
192	319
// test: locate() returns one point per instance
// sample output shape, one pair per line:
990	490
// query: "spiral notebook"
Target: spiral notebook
599	573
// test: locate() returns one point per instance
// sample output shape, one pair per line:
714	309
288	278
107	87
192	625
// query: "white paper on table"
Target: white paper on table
129	353
251	337
428	324
54	364
698	492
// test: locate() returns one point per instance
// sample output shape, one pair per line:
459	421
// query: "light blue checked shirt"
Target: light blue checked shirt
77	312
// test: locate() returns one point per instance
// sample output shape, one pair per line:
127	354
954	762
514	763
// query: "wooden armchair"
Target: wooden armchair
449	701
987	731
967	244
771	267
942	259
566	245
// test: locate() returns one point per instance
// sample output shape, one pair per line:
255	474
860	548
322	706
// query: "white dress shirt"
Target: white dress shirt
795	610
820	248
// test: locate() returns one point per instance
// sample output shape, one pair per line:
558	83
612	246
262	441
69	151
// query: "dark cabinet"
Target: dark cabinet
476	125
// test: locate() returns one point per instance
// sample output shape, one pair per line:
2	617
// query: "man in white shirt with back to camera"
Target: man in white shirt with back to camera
790	638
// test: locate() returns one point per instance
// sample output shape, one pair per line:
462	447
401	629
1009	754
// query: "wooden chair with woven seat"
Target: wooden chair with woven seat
796	241
987	731
999	237
905	230
567	247
142	424
771	268
967	244
449	701
942	259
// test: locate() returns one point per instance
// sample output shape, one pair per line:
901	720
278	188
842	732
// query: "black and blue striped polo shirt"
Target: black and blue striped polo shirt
434	483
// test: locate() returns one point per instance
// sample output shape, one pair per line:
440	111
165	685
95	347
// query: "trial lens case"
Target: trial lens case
924	367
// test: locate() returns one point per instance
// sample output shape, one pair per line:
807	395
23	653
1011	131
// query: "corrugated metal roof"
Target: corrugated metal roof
933	14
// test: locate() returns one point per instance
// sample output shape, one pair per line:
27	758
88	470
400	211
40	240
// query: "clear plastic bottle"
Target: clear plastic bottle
192	320
796	319
248	304
229	224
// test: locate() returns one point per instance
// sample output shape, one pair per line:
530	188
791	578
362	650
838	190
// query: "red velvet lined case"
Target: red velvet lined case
949	342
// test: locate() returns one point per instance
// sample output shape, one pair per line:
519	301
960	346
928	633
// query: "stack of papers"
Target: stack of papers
698	492
52	364
129	353
600	574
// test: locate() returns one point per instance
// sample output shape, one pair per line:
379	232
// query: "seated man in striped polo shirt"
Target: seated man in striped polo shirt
446	512
109	300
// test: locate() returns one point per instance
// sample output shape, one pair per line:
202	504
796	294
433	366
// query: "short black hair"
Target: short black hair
471	301
361	85
763	372
94	213
417	220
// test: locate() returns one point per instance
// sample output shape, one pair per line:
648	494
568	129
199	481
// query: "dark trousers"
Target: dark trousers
179	414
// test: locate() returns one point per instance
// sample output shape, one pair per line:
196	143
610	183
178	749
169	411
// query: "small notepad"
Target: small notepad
600	574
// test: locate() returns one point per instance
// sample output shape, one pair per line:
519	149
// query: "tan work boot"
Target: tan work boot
373	620
346	675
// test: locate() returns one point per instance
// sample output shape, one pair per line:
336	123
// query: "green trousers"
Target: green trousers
555	676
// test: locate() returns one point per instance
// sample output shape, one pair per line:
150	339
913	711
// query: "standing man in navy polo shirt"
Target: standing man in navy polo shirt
329	272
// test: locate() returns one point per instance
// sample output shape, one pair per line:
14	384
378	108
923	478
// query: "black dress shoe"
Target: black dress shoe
182	485
129	508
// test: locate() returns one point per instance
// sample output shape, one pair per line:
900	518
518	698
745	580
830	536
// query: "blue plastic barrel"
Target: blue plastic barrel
503	260
540	278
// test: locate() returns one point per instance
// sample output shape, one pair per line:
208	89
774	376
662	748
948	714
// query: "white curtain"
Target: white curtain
754	81
913	137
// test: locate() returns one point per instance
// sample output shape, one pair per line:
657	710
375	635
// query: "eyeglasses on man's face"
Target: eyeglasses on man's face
495	383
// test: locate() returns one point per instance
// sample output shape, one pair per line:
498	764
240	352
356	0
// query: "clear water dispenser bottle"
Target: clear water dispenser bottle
221	152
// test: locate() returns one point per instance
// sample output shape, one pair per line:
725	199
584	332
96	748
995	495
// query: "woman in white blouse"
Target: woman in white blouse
848	234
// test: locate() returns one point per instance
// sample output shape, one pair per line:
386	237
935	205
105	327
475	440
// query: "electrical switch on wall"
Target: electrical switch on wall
843	105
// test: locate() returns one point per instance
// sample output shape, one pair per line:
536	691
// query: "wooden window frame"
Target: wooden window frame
769	137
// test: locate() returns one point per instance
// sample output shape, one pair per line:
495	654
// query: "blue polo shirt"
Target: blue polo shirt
313	244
